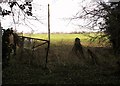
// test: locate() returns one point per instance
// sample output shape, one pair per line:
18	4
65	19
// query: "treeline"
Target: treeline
75	32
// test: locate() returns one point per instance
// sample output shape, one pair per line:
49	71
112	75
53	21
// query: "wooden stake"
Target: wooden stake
48	36
48	23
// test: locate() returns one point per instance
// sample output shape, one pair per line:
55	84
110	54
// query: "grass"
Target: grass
58	37
63	66
68	38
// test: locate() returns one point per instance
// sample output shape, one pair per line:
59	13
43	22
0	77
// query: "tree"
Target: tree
107	17
112	28
21	12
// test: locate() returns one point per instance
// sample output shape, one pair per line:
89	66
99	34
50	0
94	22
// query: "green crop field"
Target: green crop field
68	38
58	37
63	66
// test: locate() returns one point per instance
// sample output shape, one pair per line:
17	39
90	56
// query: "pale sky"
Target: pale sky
59	10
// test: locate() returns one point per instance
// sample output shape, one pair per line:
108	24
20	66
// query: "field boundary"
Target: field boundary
34	47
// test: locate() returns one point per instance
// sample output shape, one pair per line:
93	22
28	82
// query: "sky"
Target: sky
60	13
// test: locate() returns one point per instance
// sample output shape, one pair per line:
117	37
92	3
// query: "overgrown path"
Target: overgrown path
70	74
19	72
62	67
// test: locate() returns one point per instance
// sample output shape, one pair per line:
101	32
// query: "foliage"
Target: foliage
107	17
21	13
23	7
112	22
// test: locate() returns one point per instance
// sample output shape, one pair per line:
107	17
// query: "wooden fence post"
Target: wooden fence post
48	36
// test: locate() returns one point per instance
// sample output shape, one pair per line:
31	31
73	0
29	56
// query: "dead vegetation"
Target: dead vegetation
98	67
